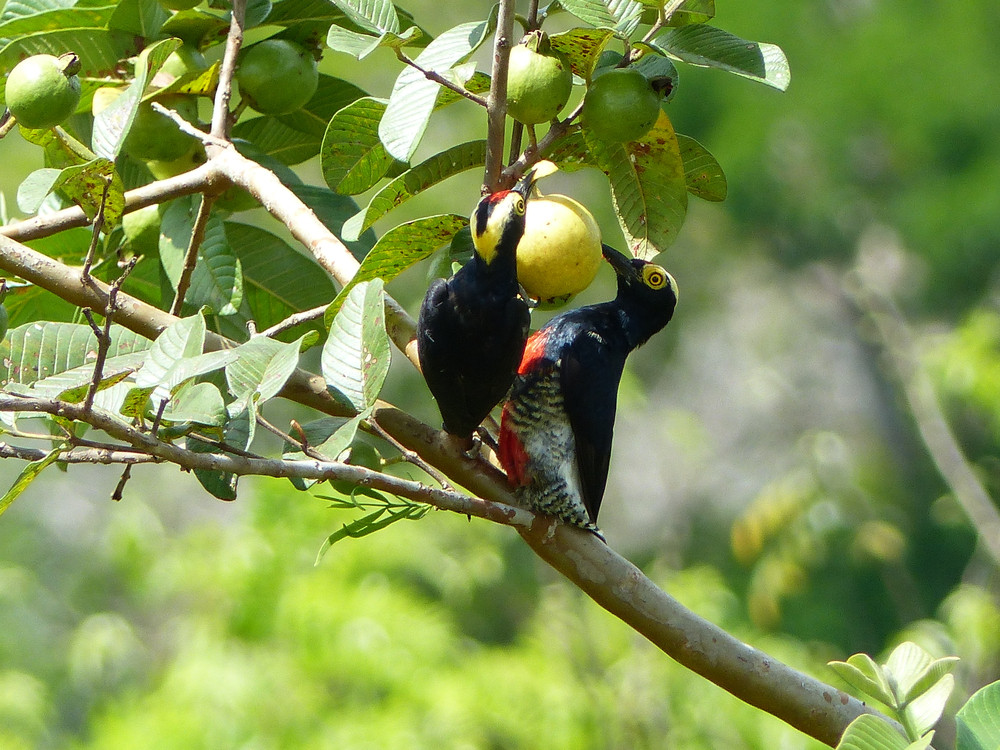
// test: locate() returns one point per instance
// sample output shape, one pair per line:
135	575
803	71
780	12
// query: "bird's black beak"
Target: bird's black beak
529	178
619	261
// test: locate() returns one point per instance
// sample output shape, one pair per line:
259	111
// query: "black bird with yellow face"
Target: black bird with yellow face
557	427
472	327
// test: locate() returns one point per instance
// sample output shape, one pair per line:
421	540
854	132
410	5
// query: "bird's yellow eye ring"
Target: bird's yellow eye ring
654	277
518	204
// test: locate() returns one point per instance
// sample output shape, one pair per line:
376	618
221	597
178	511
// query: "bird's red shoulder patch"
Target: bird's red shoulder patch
534	350
510	451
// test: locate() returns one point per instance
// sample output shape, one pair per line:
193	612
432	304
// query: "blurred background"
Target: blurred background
768	469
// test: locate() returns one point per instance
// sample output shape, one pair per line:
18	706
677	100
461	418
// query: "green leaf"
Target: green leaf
413	96
217	280
700	44
261	370
353	158
83	184
930	675
868	732
355	357
923	712
979	720
371	523
238	433
144	18
398	249
861	671
582	47
334	210
62	354
360	46
620	15
196	402
702	173
278	140
27	476
112	124
54	19
648	187
692	11
377	16
277	279
905	665
100	51
430	172
176	356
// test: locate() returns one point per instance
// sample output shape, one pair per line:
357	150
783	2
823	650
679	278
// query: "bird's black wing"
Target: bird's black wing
590	372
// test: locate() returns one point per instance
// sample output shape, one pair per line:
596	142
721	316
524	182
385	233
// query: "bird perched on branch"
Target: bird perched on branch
472	327
557	426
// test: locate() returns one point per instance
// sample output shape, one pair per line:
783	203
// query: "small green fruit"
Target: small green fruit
42	91
277	76
539	81
142	230
620	106
155	137
560	252
185	61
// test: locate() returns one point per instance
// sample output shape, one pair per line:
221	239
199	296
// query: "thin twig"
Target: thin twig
98	225
221	120
410	456
108	455
191	256
185	127
294	320
119	491
104	334
302	444
222	445
432	75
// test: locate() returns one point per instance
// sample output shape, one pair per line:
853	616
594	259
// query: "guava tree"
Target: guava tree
148	323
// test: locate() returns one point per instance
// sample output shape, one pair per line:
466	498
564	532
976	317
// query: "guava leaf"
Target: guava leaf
176	356
923	712
861	672
51	18
413	96
334	210
196	402
274	138
868	732
82	183
355	357
28	475
239	433
400	248
648	187
430	172
352	156
582	47
702	173
376	16
620	15
40	352
277	279
99	50
979	720
906	663
360	45
144	18
112	124
261	370
692	11
217	280
700	44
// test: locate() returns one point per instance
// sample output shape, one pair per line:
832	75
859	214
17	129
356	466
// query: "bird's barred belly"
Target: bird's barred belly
543	428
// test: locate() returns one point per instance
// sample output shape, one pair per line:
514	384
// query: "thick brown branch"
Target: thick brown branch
496	102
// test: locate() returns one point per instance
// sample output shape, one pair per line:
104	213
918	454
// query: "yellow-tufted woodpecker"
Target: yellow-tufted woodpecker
472	327
557	426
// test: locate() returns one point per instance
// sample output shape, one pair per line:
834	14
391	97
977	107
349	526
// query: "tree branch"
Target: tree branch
496	102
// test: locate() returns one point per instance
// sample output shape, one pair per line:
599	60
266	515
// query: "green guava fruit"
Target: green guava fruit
42	90
620	106
277	76
155	137
539	81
